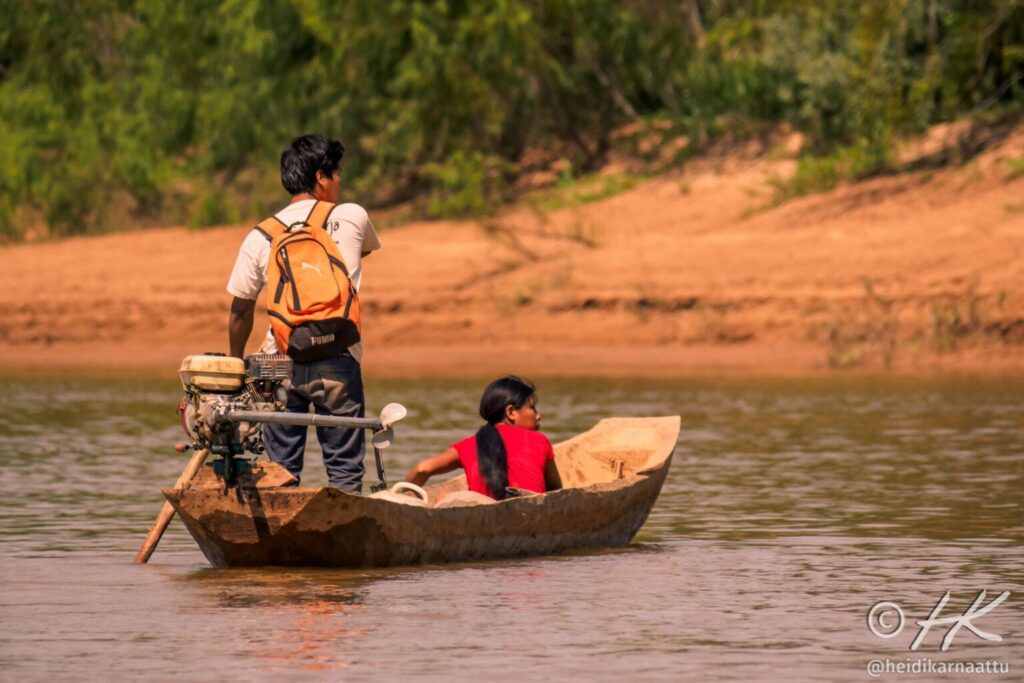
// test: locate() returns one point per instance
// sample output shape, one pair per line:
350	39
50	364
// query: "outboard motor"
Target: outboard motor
215	385
227	400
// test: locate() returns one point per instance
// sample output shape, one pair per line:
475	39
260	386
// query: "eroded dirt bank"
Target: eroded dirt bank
684	274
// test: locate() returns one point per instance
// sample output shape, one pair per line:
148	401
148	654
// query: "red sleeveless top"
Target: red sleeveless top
527	453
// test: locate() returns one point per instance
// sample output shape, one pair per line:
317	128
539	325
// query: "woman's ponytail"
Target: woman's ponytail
493	460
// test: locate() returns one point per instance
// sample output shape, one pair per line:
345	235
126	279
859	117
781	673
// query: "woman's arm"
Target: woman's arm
552	479
439	464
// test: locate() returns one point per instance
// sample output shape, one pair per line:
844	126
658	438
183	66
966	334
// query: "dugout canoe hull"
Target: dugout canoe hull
612	475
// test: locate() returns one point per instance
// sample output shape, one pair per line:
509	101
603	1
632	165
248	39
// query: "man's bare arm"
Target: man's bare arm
240	325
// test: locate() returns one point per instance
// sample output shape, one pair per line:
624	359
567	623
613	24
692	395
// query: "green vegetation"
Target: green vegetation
117	111
1014	168
569	191
817	174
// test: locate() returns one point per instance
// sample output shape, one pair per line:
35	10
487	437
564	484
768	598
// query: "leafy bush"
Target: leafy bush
466	184
137	99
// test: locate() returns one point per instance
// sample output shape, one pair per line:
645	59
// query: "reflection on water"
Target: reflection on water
791	507
307	613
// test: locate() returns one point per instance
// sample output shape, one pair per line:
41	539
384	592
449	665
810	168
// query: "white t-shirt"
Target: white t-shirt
349	226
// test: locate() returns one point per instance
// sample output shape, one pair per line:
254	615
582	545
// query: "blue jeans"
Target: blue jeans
333	387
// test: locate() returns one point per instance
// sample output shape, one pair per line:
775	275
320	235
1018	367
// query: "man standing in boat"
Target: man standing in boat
326	352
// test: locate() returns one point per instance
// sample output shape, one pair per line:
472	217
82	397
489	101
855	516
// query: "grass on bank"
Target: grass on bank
571	191
874	328
1014	168
817	173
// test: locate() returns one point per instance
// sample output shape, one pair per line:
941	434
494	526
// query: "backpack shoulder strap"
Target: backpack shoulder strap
320	213
271	228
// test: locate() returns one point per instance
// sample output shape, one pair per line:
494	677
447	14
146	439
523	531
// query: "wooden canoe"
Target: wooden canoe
612	476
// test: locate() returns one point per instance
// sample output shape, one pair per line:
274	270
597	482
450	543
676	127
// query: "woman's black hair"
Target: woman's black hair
490	449
304	157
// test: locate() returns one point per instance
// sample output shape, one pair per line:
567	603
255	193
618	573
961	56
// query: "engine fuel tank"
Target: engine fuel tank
212	373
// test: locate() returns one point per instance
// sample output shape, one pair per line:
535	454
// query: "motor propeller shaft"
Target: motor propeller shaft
307	419
392	413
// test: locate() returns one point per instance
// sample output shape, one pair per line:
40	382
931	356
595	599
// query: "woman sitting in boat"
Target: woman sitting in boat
507	452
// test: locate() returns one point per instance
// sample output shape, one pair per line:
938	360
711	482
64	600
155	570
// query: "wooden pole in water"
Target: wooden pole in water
167	512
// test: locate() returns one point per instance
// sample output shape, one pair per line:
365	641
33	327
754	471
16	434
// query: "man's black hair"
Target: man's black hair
304	157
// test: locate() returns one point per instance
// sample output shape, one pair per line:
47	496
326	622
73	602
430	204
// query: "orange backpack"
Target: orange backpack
312	304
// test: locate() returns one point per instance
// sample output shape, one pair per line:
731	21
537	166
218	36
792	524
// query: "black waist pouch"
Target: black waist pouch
322	339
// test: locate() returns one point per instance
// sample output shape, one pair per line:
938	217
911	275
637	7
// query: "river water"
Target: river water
791	508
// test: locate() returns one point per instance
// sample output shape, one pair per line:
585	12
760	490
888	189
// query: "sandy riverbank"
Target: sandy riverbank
685	274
